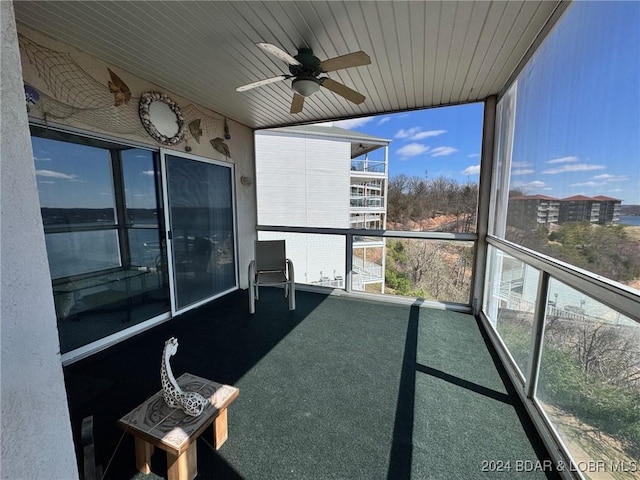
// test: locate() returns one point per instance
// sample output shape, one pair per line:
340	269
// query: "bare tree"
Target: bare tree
609	351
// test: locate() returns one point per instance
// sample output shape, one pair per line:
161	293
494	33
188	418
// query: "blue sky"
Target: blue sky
577	115
433	142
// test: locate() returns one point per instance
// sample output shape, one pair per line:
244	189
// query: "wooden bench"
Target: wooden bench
155	424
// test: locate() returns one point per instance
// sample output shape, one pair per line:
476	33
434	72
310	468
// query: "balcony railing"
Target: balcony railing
442	275
368	271
572	339
368	201
362	241
369	166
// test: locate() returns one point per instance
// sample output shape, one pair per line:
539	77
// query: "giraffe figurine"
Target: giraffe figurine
192	403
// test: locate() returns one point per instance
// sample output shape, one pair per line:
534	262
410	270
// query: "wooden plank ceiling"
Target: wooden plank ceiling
423	54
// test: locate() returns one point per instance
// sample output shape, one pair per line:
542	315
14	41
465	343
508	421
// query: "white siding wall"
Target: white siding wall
281	180
328	167
312	254
304	181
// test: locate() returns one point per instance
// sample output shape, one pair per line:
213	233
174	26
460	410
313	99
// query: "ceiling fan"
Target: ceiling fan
305	69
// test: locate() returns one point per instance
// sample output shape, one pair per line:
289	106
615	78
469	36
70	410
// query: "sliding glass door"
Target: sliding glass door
133	235
200	219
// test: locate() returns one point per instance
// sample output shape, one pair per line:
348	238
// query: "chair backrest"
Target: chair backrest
270	255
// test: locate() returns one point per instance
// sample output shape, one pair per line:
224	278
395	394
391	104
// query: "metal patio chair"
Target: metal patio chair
270	268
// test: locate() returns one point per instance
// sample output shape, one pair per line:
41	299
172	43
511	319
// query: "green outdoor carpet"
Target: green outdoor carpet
339	388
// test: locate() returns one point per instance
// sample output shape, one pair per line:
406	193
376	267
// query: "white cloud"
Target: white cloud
416	133
585	184
471	170
52	174
563	160
580	167
522	171
383	120
473	155
427	134
411	150
408	133
607	177
527	186
352	122
151	173
520	164
442	151
42	159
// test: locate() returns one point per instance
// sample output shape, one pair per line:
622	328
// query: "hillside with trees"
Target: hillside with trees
608	250
411	201
433	270
441	204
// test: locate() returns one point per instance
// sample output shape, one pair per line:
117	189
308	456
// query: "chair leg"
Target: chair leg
292	296
252	298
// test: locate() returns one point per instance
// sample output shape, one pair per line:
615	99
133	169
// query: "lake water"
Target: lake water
630	220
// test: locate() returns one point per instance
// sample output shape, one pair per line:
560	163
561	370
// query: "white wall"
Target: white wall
281	180
312	254
302	180
36	439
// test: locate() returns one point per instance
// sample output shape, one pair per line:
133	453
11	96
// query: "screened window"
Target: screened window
568	150
565	184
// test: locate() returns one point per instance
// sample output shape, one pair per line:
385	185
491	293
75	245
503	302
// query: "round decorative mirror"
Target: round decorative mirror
161	118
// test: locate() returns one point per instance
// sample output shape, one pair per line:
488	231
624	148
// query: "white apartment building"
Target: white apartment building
324	176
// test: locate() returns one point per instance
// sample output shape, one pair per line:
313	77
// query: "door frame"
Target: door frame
167	231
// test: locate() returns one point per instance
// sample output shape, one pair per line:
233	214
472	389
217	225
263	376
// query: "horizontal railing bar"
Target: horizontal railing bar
616	296
372	233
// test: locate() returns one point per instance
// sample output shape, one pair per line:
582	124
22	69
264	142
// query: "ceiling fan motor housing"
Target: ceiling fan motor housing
310	64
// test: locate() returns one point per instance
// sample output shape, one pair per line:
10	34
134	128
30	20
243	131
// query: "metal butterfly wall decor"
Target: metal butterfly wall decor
120	90
195	130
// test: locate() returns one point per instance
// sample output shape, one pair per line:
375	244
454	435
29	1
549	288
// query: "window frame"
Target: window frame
121	225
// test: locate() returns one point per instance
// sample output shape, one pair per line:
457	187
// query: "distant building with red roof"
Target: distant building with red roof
600	210
526	211
609	209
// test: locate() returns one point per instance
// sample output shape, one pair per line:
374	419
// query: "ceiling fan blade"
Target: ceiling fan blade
297	103
355	59
260	83
342	90
279	53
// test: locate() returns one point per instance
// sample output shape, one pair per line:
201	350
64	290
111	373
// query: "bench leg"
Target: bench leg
144	450
184	467
220	431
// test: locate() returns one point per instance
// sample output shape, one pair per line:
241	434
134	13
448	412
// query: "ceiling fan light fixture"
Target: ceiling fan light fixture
305	86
